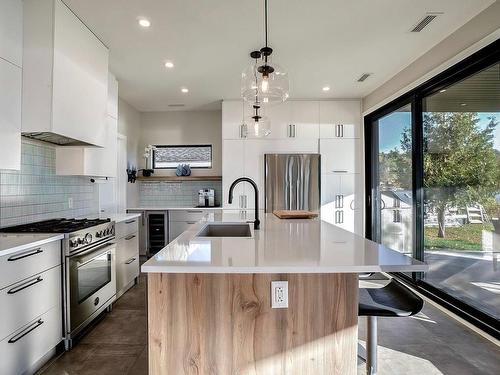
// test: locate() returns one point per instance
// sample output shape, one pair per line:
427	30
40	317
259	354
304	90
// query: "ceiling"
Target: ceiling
319	42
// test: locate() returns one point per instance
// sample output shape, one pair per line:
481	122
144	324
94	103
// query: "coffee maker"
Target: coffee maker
206	198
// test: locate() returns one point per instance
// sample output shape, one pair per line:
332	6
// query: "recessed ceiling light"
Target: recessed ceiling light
463	104
326	88
443	90
184	90
144	22
169	64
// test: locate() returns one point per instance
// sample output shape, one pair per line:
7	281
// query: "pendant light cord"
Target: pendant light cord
265	19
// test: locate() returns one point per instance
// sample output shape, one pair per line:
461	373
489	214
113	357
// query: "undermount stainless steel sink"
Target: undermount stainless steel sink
226	230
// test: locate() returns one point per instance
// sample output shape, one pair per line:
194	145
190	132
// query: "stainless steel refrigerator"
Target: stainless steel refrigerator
292	182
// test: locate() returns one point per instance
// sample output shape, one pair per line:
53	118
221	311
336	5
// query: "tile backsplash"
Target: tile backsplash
35	192
175	194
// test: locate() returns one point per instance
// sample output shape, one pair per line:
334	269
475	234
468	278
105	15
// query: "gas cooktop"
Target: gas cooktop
55	226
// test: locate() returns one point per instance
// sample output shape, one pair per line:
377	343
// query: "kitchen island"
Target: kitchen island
209	298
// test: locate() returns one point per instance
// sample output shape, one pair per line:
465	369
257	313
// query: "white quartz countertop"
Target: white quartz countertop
172	208
280	246
11	243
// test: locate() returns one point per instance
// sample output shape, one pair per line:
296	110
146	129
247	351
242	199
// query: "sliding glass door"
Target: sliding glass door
433	184
394	180
461	160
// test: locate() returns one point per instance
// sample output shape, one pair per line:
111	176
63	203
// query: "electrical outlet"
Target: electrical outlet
70	202
279	294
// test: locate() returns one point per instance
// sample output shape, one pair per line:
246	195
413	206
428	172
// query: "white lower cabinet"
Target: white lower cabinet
180	220
26	346
26	299
25	263
30	307
127	254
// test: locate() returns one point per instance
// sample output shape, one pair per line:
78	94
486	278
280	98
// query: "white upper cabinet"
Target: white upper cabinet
233	167
90	161
304	120
280	117
11	31
340	155
65	75
340	119
10	115
232	118
94	161
112	96
11	44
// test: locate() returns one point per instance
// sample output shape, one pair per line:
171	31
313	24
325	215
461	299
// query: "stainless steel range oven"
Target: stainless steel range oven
90	285
88	253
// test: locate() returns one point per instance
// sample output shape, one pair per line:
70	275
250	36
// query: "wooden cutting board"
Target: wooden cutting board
294	214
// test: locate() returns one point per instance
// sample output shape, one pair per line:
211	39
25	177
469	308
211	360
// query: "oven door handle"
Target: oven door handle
91	254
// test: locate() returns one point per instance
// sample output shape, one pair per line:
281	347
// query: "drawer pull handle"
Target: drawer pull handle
28	329
190	222
130	222
131	260
25	285
195	212
26	254
339	171
130	237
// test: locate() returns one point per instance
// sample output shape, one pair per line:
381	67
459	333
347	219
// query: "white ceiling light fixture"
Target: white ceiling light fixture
264	81
169	64
326	88
144	22
443	90
184	90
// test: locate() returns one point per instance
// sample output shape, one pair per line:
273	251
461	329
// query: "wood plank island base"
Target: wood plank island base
222	324
209	297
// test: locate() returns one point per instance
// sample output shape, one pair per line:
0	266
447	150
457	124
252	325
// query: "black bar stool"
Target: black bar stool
393	300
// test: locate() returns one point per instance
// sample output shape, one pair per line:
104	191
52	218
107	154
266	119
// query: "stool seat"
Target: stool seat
394	300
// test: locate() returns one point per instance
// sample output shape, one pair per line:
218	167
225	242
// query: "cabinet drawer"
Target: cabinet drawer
21	349
25	300
31	261
187	215
127	227
126	271
127	247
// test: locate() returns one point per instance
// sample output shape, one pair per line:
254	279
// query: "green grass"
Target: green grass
466	237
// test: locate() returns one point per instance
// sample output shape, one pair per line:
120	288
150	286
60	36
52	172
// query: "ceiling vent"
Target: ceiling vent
176	105
424	22
363	77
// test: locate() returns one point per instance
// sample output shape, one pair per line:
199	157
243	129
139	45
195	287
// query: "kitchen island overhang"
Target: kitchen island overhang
209	298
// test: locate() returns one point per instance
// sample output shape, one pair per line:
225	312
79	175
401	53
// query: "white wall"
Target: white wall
129	121
475	34
183	127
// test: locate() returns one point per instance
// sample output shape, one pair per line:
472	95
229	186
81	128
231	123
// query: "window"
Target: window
169	157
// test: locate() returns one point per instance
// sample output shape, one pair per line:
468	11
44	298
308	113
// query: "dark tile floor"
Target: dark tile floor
430	343
115	345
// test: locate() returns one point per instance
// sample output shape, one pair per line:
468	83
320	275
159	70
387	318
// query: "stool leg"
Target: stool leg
371	345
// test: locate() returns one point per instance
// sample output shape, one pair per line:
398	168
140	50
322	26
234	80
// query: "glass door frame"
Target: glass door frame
480	60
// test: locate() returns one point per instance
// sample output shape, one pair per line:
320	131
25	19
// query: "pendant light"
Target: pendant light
256	125
264	81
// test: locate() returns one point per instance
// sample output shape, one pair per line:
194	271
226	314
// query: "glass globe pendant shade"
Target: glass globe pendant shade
268	89
257	128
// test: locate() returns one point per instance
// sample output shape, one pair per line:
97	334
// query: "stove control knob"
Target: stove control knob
98	234
88	238
79	241
73	243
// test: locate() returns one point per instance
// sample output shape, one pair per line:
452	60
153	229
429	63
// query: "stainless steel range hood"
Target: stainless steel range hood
56	139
